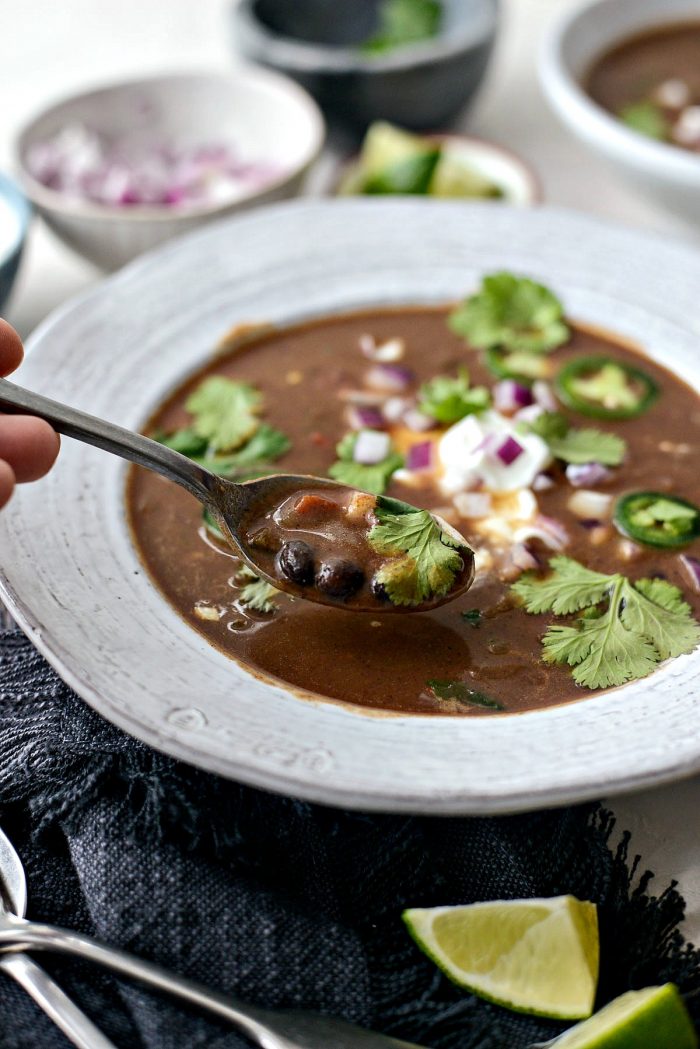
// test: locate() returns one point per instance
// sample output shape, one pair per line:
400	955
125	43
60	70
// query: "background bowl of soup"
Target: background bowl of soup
572	50
14	221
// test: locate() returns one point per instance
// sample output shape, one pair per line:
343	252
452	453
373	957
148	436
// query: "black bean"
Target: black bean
296	561
339	578
379	590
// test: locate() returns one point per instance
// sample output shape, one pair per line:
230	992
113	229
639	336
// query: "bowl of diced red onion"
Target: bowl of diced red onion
120	169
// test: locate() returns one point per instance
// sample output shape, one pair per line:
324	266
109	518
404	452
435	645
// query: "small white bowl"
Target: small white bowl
668	173
265	115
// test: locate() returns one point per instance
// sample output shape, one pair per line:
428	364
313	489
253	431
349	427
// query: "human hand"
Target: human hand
28	446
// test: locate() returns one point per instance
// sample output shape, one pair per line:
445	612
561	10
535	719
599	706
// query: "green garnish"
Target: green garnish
647	118
604	388
374	479
257	593
463	694
266	445
448	400
423	560
403	22
657	519
578	446
225	412
625	628
473	616
410	176
511	312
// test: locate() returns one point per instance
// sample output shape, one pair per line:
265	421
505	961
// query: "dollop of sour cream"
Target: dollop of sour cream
468	455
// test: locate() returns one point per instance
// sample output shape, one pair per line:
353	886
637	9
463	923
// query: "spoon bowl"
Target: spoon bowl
232	505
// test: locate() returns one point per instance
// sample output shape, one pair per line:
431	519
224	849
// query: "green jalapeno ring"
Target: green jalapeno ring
633	516
565	388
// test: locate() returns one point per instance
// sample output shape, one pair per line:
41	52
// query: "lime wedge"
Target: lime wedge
385	145
655	1017
411	175
454	177
534	956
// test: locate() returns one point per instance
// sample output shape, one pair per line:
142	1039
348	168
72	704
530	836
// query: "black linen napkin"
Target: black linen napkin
281	902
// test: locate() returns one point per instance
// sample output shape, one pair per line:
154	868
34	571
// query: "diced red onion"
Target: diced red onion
529	414
542	483
552	532
420	456
509	450
363	397
523	558
390	377
542	392
365	418
590	523
417	421
395	408
509	396
587	504
125	171
386	352
692	567
371	447
586	474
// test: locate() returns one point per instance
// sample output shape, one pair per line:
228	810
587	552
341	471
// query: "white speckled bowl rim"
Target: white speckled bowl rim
73	580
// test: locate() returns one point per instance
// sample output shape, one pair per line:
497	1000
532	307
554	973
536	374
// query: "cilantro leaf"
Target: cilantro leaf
266	445
424	561
589	446
448	400
645	117
404	22
461	692
225	412
257	593
578	446
512	312
184	441
642	623
569	588
374	479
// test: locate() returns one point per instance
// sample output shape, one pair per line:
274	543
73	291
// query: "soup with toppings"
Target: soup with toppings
651	81
565	457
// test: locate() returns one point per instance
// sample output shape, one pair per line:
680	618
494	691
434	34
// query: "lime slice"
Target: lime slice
454	177
534	956
385	145
654	1017
411	175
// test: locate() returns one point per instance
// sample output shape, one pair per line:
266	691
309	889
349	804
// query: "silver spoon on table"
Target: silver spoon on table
264	1027
76	1026
230	503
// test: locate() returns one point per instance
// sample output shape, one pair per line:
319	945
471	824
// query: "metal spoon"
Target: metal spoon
46	993
230	503
265	1028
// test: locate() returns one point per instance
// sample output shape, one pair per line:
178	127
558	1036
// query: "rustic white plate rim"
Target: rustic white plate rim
70	579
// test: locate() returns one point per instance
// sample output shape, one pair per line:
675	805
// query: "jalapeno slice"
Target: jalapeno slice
657	519
604	388
517	364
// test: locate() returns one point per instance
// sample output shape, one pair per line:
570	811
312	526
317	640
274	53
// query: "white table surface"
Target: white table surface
48	50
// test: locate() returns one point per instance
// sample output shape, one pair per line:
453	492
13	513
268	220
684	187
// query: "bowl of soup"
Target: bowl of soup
523	375
623	76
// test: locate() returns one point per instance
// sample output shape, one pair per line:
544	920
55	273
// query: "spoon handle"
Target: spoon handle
111	438
37	936
75	1025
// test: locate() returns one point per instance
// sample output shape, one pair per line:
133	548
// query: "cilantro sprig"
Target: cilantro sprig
225	413
374	479
423	561
404	22
447	399
462	694
625	629
578	446
511	312
257	593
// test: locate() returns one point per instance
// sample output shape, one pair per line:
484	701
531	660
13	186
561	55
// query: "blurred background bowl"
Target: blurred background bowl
261	114
15	215
318	42
667	173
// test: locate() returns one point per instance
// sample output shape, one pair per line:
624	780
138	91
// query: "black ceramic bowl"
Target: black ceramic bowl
318	43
